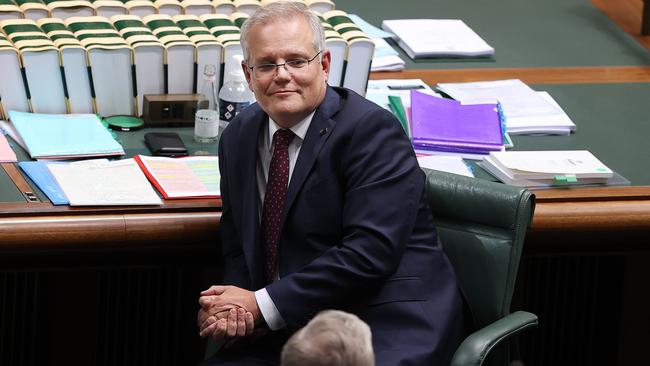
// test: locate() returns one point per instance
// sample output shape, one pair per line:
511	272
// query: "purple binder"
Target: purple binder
446	125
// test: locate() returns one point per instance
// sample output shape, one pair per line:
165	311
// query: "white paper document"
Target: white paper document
437	38
450	164
385	57
379	90
101	182
525	110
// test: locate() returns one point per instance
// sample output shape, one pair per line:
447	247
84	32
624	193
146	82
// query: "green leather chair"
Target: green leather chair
482	226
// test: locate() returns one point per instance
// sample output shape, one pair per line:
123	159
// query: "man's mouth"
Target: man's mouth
283	92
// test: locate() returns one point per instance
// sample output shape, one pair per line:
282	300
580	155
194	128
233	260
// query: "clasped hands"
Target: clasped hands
227	312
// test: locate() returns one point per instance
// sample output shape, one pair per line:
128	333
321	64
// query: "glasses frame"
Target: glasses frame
277	66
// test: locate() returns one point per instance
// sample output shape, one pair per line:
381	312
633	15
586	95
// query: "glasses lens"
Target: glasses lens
264	71
294	67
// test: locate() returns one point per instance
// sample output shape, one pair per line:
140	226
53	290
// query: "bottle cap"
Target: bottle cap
236	72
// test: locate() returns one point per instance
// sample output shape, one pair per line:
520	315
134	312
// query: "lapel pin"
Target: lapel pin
323	131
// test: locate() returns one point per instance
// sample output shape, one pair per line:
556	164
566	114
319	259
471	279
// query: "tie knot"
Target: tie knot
282	138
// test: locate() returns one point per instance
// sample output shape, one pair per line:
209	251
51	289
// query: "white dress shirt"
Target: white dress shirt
265	151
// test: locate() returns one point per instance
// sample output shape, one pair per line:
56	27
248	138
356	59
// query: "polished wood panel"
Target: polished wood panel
593	215
571	194
645	21
539	75
629	15
45	226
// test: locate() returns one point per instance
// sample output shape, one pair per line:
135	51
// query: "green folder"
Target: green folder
396	106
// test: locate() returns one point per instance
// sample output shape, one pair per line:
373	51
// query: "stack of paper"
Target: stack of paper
437	38
547	168
385	57
64	136
525	111
445	125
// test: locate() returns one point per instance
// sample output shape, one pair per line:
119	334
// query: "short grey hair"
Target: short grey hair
283	10
332	338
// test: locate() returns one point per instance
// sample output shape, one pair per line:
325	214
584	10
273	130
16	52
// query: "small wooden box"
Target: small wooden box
169	110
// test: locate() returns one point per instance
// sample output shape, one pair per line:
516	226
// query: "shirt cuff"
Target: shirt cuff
269	312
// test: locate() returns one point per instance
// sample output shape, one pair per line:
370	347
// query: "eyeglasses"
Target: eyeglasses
294	67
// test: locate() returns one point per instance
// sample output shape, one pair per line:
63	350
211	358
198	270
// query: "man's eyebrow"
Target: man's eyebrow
287	57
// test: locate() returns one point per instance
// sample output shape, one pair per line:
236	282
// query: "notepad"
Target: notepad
64	136
187	177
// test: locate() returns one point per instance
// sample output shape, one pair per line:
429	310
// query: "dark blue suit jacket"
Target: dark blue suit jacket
357	234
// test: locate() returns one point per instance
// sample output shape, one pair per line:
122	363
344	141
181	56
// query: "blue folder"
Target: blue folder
60	136
38	172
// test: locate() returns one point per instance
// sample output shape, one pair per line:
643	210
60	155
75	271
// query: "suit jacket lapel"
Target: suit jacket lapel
319	130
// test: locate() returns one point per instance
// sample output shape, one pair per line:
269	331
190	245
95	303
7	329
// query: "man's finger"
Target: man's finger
241	322
200	317
209	329
232	323
249	323
214	290
220	331
207	301
203	319
211	318
204	314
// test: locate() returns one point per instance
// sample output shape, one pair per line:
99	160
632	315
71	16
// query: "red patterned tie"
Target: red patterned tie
276	192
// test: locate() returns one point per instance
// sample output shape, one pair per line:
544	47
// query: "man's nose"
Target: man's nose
283	73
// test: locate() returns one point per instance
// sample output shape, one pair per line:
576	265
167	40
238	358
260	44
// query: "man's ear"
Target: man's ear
326	60
247	73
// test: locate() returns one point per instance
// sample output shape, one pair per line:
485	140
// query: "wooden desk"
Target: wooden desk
113	286
179	224
585	259
645	19
42	226
104	285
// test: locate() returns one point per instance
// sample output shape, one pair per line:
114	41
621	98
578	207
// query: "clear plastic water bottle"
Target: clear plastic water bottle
234	94
206	119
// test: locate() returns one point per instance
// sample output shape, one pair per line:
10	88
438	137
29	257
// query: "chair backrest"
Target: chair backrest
482	226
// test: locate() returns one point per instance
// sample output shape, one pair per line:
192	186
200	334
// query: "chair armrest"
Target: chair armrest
477	345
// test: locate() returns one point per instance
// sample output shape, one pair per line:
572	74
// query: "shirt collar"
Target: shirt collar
299	129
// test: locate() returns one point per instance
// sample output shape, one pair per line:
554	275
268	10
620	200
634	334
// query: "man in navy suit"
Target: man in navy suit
353	232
